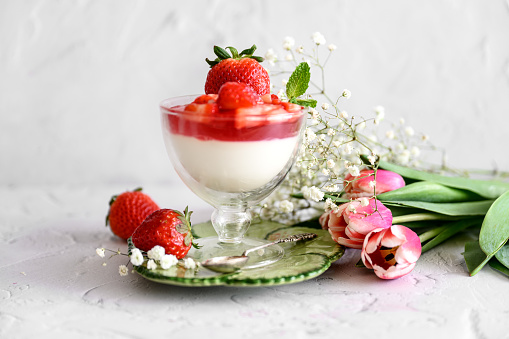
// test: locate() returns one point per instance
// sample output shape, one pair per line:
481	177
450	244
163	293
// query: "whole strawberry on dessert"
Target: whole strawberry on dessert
244	68
167	228
128	210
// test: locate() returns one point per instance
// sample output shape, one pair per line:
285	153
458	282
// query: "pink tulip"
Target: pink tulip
391	252
359	186
350	222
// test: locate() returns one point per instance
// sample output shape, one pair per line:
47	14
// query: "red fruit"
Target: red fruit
127	211
167	228
244	68
206	99
233	95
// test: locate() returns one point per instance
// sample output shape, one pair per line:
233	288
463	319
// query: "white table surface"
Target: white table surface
53	285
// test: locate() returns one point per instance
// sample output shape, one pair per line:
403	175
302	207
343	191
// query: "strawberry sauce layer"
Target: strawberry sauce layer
232	125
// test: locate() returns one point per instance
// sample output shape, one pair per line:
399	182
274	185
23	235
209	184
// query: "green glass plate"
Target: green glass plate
302	261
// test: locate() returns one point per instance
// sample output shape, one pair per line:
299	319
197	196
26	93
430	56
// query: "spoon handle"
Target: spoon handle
291	238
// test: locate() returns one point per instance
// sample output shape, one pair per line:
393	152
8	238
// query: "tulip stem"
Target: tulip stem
431	233
421	216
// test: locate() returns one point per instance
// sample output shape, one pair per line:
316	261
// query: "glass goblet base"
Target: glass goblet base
211	247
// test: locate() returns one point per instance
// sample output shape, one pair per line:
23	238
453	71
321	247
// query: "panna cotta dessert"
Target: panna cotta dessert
227	146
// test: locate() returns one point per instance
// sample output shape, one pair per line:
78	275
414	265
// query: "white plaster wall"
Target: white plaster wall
80	81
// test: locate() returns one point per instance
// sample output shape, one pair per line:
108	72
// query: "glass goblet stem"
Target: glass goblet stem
231	222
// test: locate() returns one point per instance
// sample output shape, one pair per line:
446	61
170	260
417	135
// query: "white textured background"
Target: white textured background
80	81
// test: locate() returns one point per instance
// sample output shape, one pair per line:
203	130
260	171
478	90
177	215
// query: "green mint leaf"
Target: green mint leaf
299	81
305	102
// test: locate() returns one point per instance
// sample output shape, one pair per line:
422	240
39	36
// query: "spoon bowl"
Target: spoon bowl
229	264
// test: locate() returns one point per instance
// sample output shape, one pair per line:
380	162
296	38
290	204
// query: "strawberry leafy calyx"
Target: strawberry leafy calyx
185	227
222	54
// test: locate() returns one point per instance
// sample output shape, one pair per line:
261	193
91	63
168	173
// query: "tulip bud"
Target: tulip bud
391	252
359	186
349	223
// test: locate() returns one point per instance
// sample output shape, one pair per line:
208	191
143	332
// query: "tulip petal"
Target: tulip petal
391	252
393	272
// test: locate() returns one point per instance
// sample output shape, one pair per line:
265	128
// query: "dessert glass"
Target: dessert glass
232	161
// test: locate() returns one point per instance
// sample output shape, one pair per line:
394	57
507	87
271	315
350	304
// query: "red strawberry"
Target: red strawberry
127	211
206	99
167	228
233	95
243	67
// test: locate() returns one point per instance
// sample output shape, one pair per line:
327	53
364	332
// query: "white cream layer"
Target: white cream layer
232	166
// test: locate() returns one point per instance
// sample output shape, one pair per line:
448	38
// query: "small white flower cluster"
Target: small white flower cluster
334	143
156	257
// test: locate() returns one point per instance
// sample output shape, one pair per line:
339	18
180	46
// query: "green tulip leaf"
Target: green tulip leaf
430	192
489	189
495	228
469	208
449	230
474	257
495	264
503	256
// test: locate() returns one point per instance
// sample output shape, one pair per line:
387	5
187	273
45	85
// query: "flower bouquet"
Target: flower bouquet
369	187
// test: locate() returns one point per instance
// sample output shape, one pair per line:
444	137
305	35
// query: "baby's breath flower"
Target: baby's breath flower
332	47
354	170
312	193
330	163
288	57
136	257
424	137
325	171
380	111
167	261
151	264
347	94
189	263
404	157
343	114
372	159
331	188
372	184
100	252
156	252
348	149
122	270
286	206
280	93
310	135
325	106
415	151
318	38
351	208
329	205
270	56
314	113
390	134
300	50
401	121
409	131
364	202
288	43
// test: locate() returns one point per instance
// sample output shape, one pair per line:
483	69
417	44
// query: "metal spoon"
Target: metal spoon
228	264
